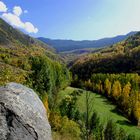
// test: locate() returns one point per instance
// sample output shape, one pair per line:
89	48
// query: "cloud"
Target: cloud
15	20
3	7
29	27
17	10
25	11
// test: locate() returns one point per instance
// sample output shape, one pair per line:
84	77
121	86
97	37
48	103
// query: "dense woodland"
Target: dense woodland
30	62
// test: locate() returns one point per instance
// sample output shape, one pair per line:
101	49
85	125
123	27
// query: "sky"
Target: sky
72	19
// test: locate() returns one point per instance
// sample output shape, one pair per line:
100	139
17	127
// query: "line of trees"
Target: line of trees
121	89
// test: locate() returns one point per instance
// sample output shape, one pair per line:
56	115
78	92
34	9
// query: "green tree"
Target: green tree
110	132
96	128
68	106
70	128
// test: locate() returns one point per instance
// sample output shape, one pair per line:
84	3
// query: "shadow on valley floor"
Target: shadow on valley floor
122	122
116	111
125	122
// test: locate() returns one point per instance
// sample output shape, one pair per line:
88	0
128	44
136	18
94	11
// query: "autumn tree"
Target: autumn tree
137	112
107	86
125	95
116	90
88	85
99	87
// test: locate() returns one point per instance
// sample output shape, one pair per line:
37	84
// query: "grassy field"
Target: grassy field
105	109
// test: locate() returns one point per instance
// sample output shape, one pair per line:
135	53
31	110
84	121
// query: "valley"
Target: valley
88	93
105	109
70	50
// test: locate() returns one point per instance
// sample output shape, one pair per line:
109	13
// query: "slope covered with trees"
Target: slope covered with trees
118	58
26	60
113	72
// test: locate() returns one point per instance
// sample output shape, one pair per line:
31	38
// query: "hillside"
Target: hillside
30	62
10	37
69	45
118	58
24	59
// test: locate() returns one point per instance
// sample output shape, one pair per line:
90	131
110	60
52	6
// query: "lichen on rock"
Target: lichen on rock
22	114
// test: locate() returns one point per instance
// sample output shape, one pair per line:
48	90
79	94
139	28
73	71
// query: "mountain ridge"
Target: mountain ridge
68	45
10	36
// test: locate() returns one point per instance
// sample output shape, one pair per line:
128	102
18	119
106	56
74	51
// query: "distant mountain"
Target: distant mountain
69	45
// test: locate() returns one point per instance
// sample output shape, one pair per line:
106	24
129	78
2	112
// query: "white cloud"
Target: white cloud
25	11
3	7
29	27
17	10
15	21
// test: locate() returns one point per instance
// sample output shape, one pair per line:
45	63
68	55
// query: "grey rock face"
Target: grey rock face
22	114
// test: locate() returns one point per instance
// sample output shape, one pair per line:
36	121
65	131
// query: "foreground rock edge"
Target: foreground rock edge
22	114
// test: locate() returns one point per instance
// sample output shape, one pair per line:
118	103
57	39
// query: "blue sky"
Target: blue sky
73	19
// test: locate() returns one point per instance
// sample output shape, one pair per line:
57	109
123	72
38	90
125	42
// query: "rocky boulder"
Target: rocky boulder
22	114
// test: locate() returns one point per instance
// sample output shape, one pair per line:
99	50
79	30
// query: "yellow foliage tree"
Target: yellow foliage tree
46	104
70	128
55	121
107	86
125	94
116	90
137	112
88	85
99	87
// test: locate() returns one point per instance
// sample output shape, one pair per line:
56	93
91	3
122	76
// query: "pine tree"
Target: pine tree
110	132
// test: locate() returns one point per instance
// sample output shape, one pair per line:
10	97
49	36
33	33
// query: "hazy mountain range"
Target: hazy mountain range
69	45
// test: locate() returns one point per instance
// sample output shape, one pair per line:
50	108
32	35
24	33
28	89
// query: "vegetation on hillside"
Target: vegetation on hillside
26	60
119	58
